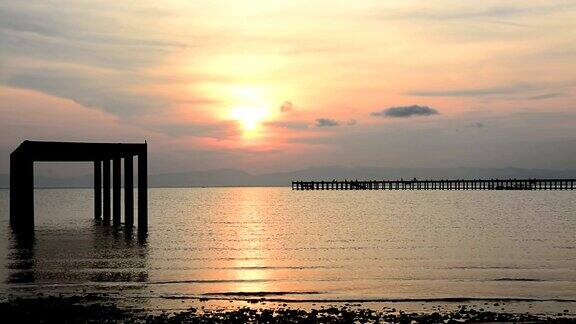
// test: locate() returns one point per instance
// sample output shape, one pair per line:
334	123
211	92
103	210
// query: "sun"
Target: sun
249	107
250	118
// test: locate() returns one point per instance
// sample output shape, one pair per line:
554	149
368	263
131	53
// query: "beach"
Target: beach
92	308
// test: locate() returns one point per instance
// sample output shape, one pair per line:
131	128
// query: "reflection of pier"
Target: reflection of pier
417	184
22	178
77	257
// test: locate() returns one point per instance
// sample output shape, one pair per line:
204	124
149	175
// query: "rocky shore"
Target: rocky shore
92	309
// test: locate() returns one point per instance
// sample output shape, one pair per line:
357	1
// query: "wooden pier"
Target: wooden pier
417	184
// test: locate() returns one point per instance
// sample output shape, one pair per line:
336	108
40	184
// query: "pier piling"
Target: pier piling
116	178
106	191
97	190
128	191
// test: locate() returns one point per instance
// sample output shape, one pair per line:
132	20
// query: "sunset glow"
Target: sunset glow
259	86
288	161
250	119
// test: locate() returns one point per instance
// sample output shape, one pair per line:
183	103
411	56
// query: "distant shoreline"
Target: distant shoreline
224	178
164	187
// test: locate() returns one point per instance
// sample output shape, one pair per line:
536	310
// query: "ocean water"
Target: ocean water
302	247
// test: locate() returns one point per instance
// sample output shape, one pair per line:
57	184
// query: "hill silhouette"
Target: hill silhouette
233	177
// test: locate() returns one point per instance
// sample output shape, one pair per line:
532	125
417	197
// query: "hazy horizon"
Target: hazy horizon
286	85
83	176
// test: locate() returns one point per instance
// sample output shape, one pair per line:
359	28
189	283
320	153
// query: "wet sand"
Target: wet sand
93	308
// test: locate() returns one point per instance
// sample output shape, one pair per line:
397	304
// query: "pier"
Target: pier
418	184
101	154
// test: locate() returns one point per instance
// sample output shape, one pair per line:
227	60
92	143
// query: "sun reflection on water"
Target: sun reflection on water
254	255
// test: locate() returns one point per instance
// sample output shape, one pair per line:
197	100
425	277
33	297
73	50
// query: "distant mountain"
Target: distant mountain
232	177
57	182
216	178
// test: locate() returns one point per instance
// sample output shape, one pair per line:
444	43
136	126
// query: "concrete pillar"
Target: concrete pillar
21	192
106	190
116	180
128	191
143	191
97	190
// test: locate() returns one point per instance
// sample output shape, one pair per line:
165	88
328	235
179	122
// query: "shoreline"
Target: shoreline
93	308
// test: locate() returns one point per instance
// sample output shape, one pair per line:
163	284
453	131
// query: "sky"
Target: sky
265	86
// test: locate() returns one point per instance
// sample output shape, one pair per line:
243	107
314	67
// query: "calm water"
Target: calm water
302	246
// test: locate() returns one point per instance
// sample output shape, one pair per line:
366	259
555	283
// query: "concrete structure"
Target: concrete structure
22	178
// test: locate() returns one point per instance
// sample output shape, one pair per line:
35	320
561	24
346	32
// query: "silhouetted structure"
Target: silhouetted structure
416	184
22	178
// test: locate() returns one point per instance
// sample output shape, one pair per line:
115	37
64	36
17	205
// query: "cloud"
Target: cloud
83	34
406	111
547	96
217	130
326	122
474	92
288	125
477	125
91	89
493	12
286	106
351	122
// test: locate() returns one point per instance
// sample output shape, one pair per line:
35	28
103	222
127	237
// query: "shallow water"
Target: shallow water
284	245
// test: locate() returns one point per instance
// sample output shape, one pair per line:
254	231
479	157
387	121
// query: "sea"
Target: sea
227	247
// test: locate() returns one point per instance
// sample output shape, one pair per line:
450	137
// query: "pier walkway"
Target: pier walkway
417	184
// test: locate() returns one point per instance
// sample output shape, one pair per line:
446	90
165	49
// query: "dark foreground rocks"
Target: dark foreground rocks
88	309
